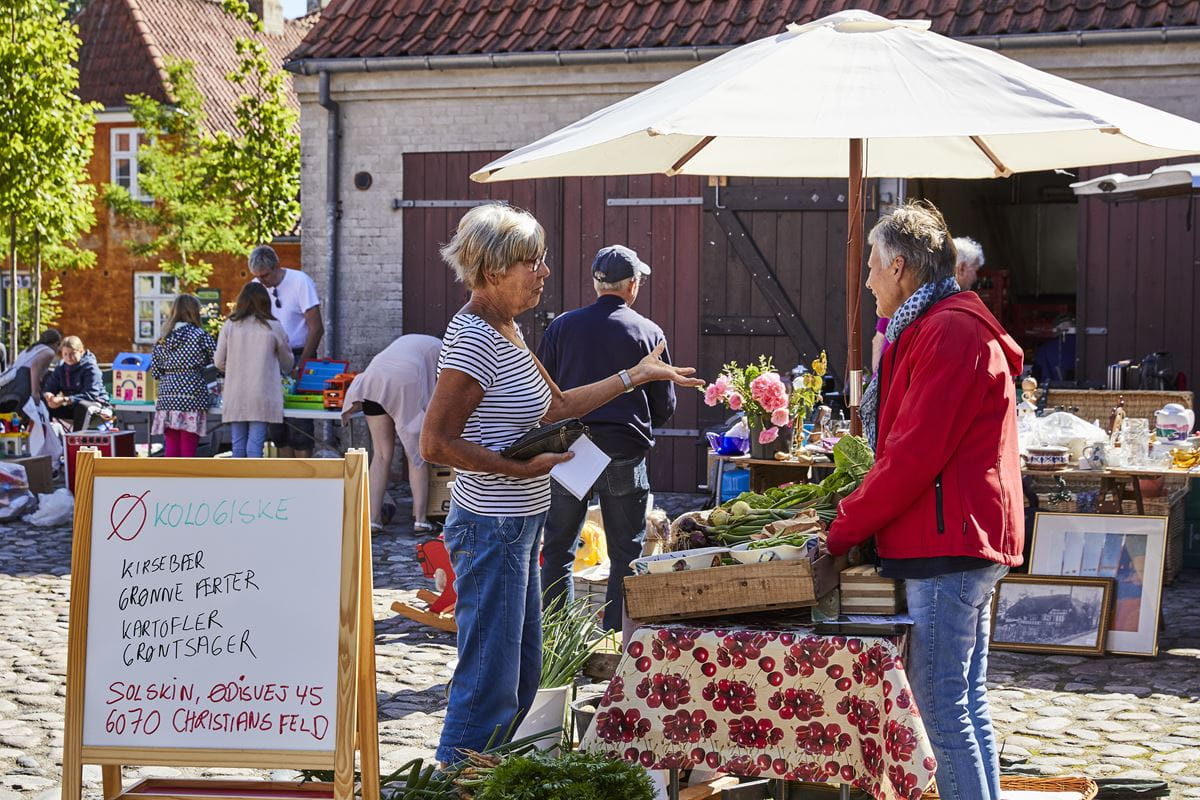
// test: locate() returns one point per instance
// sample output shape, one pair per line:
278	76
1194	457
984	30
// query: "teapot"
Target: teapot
1173	422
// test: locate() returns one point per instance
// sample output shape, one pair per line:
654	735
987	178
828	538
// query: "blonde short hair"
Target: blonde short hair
491	238
72	343
917	232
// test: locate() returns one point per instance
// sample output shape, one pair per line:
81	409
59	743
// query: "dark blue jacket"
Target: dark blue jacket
80	383
592	343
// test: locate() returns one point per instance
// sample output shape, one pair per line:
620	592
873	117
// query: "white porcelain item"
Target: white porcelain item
779	552
1094	457
1049	457
699	558
1173	423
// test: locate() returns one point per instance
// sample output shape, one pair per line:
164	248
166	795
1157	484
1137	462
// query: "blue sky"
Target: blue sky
294	8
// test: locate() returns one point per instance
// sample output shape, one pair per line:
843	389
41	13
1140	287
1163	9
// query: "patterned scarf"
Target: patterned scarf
916	305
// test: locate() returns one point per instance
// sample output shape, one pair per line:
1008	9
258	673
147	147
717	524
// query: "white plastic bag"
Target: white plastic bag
56	508
15	497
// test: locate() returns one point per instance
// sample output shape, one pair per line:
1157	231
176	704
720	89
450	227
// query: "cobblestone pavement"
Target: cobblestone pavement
1101	717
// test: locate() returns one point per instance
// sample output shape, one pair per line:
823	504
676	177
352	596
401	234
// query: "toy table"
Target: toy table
766	702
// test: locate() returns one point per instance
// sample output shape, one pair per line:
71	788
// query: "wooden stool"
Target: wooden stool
1114	490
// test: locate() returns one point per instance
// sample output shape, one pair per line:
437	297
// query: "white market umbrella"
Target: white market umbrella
855	95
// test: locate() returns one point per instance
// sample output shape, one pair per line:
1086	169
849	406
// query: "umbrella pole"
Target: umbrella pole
854	251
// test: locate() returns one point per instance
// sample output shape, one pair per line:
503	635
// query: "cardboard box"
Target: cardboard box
722	591
37	471
440	479
132	381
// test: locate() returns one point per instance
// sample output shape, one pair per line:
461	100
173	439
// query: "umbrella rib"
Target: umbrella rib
1001	170
689	155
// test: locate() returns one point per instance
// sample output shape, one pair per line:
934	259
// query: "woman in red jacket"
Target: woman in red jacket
943	500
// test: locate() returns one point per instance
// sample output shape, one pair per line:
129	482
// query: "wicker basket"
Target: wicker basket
1095	404
1022	783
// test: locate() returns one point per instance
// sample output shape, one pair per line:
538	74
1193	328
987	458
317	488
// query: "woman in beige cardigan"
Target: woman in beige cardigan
253	353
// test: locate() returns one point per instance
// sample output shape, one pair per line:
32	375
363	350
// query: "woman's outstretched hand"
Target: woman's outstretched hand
653	368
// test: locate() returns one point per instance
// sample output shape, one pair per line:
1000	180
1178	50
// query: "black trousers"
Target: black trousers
76	412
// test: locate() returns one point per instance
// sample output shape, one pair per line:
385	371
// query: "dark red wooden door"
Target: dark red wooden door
659	217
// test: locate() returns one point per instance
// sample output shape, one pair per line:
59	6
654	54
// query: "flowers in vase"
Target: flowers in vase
768	401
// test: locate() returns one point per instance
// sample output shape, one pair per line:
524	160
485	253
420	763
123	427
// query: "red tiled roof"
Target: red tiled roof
125	44
369	28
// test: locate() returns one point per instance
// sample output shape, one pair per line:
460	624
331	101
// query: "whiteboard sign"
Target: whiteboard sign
213	613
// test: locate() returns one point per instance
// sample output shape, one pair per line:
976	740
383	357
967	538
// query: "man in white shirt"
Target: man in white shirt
296	305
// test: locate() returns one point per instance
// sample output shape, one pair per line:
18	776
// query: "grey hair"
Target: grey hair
262	259
969	251
916	232
491	238
616	286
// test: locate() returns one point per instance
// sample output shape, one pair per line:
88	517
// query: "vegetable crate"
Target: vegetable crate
721	591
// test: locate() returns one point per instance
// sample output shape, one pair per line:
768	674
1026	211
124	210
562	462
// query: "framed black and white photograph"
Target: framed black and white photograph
1129	549
1051	614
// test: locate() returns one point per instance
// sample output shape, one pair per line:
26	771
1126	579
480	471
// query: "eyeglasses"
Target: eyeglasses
275	295
537	264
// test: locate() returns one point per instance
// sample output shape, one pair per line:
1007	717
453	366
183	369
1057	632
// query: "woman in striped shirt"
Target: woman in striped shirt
490	391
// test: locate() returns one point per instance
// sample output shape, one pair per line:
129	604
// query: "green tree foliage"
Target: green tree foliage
46	135
260	165
179	167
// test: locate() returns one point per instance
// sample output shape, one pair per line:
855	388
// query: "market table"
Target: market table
766	473
214	416
755	701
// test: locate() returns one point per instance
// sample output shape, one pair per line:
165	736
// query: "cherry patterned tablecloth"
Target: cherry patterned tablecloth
761	702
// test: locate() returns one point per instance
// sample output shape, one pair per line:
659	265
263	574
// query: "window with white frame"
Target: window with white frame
153	293
124	146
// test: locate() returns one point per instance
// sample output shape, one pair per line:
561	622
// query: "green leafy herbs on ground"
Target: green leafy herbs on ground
570	776
570	633
418	780
182	217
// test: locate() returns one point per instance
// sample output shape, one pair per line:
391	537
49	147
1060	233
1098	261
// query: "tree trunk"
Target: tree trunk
37	289
12	294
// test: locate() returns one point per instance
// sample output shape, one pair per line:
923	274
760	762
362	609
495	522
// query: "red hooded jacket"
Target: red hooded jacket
947	479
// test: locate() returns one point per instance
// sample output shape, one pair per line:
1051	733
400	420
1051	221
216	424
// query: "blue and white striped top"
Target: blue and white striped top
515	398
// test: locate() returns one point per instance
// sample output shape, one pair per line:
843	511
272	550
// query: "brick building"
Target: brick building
423	94
120	304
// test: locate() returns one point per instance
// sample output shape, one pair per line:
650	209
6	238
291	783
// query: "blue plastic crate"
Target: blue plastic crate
314	373
734	482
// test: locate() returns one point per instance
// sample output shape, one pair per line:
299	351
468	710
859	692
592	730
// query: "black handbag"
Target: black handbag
556	437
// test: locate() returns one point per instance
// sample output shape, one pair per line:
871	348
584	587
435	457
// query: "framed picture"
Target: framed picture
1051	614
1129	549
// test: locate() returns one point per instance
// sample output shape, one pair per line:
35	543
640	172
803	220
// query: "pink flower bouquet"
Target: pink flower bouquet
758	390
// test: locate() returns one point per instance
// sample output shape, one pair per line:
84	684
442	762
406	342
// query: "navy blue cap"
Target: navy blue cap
616	263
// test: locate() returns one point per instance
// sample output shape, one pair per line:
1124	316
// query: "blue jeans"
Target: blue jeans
499	616
248	438
947	668
623	487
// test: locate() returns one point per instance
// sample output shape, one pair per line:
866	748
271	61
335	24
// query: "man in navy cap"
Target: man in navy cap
587	345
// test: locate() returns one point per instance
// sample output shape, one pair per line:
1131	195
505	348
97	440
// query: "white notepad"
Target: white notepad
579	474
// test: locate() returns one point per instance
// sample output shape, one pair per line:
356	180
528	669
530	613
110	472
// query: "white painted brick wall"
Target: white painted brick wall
386	114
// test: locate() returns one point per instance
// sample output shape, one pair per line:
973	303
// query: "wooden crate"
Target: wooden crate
865	591
741	589
1095	404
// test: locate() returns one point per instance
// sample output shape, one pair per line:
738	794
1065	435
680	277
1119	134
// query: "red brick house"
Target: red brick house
120	304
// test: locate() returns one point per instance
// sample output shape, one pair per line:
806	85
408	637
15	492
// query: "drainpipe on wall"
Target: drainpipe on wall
333	138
